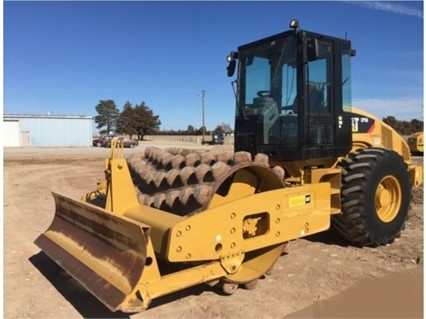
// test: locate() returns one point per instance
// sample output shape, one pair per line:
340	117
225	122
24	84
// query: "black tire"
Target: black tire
375	197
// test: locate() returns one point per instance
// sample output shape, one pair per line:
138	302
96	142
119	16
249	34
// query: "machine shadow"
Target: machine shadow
84	302
81	299
90	307
330	237
192	291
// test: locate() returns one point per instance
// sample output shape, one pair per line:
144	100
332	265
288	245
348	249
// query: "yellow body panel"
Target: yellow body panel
381	135
415	142
219	232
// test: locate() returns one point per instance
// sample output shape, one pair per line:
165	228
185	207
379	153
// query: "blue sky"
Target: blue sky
63	57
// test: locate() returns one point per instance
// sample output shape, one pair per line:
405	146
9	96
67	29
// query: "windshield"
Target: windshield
268	75
268	87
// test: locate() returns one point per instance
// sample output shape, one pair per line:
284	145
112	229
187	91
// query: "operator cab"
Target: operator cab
294	96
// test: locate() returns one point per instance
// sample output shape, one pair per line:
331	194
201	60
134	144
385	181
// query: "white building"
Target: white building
30	130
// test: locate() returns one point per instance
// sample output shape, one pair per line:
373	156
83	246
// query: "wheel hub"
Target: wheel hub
388	198
383	197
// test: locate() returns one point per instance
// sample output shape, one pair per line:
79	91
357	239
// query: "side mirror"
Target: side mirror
312	49
232	63
231	67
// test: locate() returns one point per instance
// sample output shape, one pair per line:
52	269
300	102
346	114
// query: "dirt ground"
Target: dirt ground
321	276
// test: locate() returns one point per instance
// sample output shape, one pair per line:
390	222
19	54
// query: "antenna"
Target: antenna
203	94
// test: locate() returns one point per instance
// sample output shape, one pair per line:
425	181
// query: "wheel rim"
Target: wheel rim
388	199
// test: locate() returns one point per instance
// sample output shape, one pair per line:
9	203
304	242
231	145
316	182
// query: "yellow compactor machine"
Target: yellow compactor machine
415	143
303	161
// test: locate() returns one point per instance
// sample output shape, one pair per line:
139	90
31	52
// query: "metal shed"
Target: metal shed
47	130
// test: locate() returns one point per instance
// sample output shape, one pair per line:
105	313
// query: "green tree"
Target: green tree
126	121
201	130
391	120
404	127
107	117
227	129
190	130
138	120
146	122
219	129
416	125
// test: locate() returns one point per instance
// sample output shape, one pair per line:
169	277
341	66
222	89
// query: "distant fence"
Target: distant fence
195	139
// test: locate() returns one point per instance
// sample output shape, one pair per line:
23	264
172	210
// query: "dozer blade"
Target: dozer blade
104	252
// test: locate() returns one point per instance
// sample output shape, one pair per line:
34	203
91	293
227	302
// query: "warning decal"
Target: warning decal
299	200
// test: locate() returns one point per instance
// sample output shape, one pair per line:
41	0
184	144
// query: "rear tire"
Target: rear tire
375	197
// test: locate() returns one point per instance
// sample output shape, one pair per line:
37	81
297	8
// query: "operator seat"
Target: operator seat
316	99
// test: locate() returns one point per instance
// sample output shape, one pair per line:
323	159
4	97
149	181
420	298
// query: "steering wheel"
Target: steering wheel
263	93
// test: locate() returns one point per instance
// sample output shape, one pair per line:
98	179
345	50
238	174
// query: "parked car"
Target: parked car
105	141
126	142
213	139
218	139
100	141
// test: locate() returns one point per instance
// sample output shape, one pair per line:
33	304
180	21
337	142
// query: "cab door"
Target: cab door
320	130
